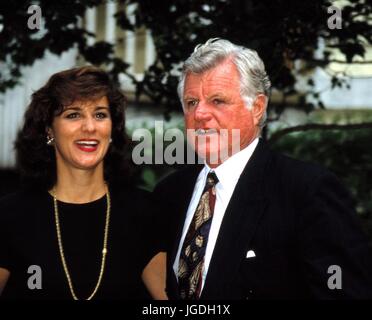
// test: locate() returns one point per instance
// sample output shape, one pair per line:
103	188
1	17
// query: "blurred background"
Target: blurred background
318	55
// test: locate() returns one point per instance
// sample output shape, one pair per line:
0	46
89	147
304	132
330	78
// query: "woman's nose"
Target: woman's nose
88	124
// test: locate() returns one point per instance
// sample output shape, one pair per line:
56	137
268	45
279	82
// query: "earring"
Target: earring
110	140
50	141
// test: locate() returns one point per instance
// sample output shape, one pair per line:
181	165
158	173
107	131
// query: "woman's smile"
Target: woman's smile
87	145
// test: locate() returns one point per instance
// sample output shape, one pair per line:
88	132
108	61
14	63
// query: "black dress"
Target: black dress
28	238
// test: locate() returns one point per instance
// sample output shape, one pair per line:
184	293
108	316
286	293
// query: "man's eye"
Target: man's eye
72	115
218	101
191	103
101	115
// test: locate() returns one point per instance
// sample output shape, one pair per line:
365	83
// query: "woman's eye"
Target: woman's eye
72	115
101	115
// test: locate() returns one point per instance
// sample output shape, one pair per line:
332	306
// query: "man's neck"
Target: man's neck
214	164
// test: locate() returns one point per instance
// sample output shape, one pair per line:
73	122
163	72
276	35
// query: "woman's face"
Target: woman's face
82	134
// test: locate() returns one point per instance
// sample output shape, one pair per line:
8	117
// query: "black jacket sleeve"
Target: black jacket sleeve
335	255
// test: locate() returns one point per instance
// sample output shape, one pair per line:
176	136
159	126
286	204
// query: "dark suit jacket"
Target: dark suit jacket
298	220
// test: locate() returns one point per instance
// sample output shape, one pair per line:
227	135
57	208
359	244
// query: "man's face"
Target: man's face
213	108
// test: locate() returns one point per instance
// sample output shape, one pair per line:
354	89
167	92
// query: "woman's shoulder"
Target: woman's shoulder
134	200
127	190
19	201
130	193
12	199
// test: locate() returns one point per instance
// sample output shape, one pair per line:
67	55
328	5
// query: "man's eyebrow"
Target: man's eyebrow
189	97
217	95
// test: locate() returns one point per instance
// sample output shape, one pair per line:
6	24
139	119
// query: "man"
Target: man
250	223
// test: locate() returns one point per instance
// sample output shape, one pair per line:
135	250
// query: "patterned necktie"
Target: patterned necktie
193	249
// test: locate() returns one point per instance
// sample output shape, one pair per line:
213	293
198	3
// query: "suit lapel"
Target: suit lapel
245	208
182	200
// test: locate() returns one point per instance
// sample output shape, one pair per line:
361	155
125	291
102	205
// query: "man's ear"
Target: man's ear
259	108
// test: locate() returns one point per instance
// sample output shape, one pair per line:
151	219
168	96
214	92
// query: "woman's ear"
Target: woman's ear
49	132
259	108
49	137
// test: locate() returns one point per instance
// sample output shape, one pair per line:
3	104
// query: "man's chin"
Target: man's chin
212	158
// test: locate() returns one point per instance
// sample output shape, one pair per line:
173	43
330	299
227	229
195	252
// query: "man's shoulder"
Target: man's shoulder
288	165
274	165
297	176
180	178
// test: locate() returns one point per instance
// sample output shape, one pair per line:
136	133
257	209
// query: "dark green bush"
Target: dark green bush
346	153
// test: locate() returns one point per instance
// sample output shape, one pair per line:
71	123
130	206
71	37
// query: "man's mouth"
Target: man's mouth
87	145
203	132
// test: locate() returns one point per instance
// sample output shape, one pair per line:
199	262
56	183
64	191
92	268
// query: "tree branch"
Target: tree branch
341	61
318	126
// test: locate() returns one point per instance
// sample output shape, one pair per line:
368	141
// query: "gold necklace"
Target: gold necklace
104	250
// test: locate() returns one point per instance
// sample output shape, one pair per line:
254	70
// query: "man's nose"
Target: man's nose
89	124
202	112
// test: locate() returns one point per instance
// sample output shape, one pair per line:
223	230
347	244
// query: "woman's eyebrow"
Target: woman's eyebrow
74	108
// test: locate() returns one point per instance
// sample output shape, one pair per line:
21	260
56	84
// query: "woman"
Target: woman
77	230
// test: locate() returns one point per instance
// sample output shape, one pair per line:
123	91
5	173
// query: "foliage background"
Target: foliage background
292	37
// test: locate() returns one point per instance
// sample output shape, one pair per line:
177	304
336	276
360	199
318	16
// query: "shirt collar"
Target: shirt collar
229	171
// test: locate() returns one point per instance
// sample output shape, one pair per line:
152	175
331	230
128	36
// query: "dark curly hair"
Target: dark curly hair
36	161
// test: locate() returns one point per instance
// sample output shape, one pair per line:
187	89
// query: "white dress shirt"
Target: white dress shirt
228	174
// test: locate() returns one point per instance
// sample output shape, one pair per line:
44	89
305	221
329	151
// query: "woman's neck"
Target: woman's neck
80	186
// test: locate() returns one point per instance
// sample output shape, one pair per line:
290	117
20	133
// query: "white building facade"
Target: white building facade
137	49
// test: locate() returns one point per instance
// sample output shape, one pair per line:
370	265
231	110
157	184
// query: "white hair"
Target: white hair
253	77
